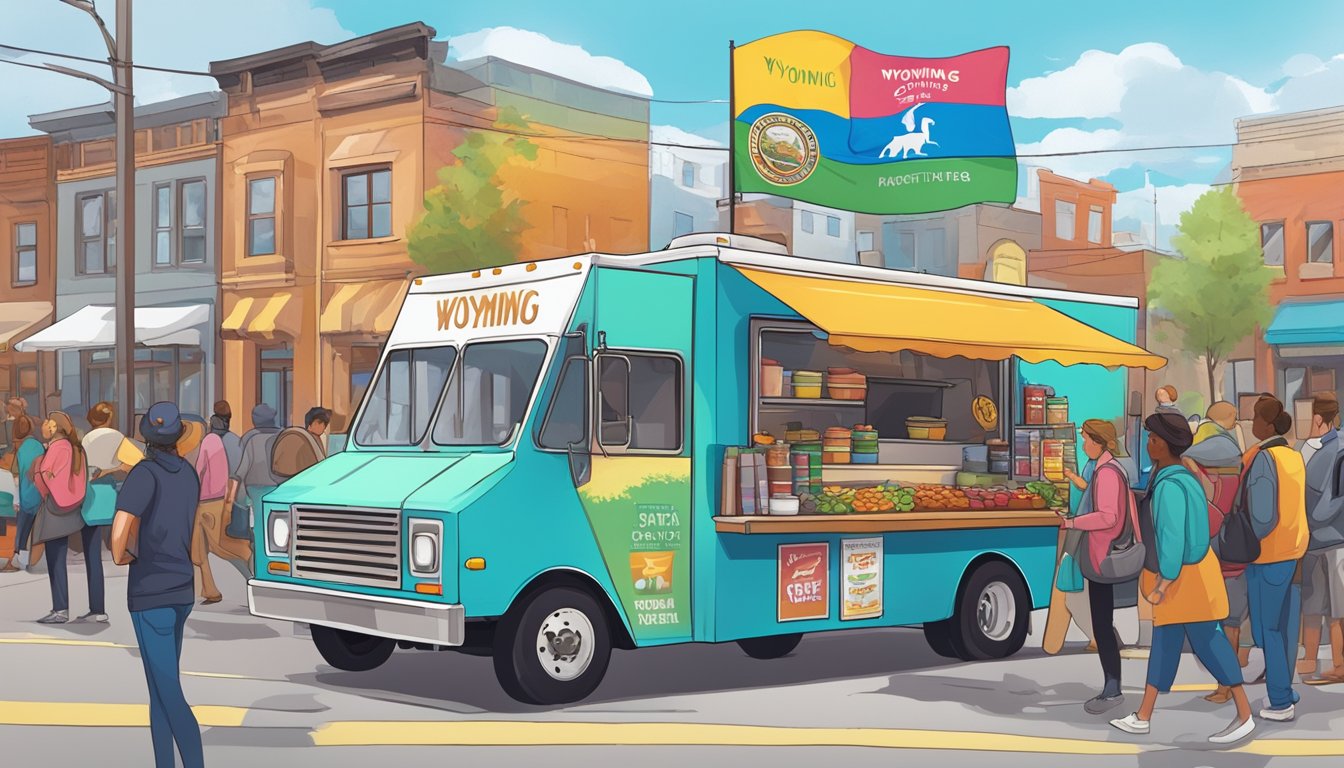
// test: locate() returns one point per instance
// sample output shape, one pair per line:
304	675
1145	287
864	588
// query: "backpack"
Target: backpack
1237	541
1127	554
285	469
1148	527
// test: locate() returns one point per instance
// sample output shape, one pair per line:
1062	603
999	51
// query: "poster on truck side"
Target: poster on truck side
860	578
804	581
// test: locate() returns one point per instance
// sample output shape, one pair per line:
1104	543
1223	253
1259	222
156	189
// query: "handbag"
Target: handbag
1070	578
1237	541
1127	554
100	504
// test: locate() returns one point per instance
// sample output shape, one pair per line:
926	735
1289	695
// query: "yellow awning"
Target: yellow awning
363	308
882	317
17	318
262	318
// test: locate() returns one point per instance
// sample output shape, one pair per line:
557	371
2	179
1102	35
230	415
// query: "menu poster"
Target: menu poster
861	578
804	576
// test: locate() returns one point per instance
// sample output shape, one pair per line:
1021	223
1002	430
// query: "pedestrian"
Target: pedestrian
253	478
1182	581
298	449
152	532
1323	565
110	454
208	535
1166	400
1216	460
1077	598
1110	506
62	478
220	425
27	455
1276	501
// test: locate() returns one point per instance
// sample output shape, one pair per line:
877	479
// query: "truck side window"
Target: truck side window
404	395
641	402
567	418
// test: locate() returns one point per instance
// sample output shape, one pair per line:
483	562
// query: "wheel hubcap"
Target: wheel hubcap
565	644
996	611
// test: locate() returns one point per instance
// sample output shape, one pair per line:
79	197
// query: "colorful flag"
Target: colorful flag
823	120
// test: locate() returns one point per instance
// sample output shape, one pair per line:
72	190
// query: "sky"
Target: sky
1104	76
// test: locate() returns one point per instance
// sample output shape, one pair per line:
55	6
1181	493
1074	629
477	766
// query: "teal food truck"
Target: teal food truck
546	466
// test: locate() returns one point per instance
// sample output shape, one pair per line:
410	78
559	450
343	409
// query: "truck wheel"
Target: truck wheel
773	647
351	651
943	638
993	612
553	648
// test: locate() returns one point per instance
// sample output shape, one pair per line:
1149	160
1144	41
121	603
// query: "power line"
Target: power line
106	62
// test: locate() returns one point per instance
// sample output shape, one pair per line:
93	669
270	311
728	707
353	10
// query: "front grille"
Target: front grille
348	546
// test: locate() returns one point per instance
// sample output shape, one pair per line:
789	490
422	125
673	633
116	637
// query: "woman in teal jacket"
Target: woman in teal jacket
28	454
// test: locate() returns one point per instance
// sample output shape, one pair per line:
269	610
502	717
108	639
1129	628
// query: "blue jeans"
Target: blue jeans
1207	641
158	632
26	519
57	575
1276	613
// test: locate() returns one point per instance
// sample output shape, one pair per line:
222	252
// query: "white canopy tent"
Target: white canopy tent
93	327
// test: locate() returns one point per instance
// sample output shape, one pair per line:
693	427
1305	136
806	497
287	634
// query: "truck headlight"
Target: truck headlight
426	538
277	532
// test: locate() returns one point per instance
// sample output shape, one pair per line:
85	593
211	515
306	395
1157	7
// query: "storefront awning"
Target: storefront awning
884	317
261	318
17	318
1307	323
363	308
94	326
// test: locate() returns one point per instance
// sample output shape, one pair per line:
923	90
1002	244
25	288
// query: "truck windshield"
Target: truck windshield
489	392
404	396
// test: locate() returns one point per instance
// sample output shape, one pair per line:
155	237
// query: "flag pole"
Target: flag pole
732	141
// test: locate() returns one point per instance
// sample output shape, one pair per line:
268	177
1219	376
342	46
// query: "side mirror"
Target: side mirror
580	464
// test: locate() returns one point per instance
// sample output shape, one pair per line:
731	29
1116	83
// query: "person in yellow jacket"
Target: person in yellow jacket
1187	592
1276	497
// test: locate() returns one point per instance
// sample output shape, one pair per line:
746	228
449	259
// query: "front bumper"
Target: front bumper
411	620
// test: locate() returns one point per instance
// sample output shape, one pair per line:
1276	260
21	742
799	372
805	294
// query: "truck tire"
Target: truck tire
351	651
772	647
944	638
993	613
553	647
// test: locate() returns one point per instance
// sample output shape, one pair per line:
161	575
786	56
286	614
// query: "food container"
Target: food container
772	378
836	457
926	428
796	436
1000	457
1057	410
806	384
783	504
1033	403
863	458
846	384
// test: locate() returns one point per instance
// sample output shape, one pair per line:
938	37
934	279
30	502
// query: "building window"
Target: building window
1271	243
1238	379
173	374
899	248
261	215
640	402
179	223
275	380
1320	242
1293	384
1094	225
864	241
163	225
688	173
682	224
922	251
96	232
192	204
833	226
25	254
807	222
367	204
1064	223
100	381
933	256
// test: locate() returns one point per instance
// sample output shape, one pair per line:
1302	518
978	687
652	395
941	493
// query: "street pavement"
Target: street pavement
75	694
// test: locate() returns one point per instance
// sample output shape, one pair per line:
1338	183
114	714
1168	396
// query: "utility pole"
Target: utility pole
123	104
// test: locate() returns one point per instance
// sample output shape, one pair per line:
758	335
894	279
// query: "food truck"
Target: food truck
561	458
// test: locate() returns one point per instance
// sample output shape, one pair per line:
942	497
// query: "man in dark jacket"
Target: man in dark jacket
156	513
1323	565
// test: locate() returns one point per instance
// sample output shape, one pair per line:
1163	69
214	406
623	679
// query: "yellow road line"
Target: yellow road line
219	675
42	640
477	733
1294	748
106	715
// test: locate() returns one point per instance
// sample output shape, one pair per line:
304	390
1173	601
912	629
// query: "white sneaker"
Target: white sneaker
1234	732
1285	715
1132	724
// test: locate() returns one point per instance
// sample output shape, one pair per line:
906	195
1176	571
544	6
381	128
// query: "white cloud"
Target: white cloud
533	49
670	134
1090	87
168	33
1136	205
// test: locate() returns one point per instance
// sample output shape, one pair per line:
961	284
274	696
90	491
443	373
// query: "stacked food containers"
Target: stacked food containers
836	445
1057	410
1000	457
1033	404
846	384
863	446
806	384
772	379
778	469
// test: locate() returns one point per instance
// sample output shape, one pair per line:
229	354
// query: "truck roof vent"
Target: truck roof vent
726	240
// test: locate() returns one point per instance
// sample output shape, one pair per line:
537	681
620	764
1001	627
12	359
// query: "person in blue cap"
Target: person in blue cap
156	513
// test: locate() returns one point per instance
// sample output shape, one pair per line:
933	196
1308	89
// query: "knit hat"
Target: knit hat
1173	429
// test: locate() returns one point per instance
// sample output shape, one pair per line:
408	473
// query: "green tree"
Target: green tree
1217	289
470	222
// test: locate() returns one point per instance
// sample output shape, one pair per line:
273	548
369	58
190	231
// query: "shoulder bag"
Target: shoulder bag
1237	542
1126	555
